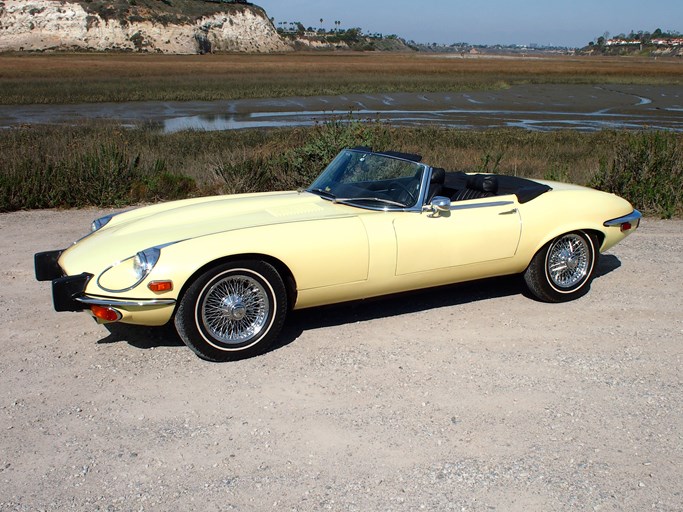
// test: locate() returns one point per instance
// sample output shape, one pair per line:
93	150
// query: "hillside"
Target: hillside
656	43
167	26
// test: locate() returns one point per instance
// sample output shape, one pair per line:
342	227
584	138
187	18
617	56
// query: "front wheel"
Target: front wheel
563	269
233	311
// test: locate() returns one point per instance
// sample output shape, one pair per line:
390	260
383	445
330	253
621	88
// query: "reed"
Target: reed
116	77
102	165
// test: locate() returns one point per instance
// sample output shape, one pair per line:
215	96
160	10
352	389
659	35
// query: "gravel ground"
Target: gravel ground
472	397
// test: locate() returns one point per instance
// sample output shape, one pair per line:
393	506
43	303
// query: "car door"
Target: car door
474	231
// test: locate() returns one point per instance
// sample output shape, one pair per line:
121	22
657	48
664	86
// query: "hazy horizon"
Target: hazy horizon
494	22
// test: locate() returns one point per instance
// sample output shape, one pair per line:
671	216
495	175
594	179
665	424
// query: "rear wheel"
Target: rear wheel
233	311
563	269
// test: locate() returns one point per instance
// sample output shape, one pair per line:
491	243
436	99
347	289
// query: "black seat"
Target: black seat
436	183
477	186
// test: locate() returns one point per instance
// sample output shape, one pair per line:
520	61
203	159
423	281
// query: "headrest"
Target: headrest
483	183
438	175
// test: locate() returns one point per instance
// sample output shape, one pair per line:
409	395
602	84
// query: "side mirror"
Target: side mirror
439	205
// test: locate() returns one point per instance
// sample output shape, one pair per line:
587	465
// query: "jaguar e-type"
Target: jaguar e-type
226	270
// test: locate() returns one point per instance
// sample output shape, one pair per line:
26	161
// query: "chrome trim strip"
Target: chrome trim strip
125	303
424	188
632	217
379	208
481	205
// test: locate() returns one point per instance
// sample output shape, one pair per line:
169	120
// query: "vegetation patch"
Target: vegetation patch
647	167
160	11
101	165
88	78
102	173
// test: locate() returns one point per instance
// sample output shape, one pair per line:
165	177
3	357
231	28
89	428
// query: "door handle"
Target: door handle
510	212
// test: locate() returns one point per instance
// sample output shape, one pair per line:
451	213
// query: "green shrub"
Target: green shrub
250	175
299	166
106	176
99	164
646	169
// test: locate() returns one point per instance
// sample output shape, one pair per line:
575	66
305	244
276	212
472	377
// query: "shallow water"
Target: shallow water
532	107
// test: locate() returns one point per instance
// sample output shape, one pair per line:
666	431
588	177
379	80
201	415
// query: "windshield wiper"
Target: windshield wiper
348	200
323	193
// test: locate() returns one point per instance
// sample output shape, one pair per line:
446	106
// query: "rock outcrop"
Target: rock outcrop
40	25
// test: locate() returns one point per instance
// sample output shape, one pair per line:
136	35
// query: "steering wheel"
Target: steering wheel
403	192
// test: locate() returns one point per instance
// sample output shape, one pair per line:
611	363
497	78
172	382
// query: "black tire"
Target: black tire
232	311
564	268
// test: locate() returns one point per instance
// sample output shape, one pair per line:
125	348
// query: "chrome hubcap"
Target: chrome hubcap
235	309
568	261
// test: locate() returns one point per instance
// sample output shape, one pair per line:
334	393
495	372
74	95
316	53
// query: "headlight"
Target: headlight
127	274
101	222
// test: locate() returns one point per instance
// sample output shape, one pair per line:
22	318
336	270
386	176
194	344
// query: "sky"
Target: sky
570	23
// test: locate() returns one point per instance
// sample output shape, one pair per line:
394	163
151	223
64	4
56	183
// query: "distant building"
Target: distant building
669	42
676	41
622	42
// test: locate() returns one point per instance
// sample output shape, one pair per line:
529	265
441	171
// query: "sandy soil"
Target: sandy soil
467	398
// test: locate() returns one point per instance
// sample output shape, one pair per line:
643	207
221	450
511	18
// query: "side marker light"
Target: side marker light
160	286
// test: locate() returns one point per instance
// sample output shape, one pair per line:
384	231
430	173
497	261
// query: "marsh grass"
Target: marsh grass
103	165
649	167
71	171
81	78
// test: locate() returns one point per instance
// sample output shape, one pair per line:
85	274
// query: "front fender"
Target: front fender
318	253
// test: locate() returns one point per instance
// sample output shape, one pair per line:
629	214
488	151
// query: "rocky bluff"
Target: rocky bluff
167	26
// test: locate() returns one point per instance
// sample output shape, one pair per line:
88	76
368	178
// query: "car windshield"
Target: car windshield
370	180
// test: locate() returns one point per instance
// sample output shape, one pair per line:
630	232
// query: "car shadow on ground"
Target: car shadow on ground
358	311
606	264
143	337
415	302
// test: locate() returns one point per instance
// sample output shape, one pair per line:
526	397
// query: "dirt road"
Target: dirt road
468	398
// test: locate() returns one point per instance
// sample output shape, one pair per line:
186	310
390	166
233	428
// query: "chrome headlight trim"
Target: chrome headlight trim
144	262
100	222
140	265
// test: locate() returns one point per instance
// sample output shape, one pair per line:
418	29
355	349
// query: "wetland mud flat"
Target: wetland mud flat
533	107
471	397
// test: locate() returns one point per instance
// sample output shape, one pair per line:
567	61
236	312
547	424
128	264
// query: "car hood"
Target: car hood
166	223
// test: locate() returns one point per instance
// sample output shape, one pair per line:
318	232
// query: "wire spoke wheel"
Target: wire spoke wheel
568	261
235	309
563	269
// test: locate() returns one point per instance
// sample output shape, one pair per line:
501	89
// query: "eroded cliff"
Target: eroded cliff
143	25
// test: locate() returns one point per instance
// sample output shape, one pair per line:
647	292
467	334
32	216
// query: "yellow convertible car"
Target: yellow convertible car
227	269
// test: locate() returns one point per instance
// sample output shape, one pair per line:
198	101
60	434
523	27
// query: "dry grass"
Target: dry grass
60	166
73	78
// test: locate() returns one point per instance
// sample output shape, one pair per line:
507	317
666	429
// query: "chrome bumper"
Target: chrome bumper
115	303
632	218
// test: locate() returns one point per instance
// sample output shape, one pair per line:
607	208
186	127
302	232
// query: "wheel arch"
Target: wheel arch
598	235
280	267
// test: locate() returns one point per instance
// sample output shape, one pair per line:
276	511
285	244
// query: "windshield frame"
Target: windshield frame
365	201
